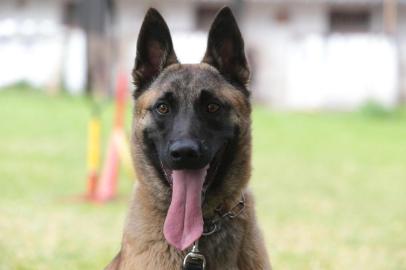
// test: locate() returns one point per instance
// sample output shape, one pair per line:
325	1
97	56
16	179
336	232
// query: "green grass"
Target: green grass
330	188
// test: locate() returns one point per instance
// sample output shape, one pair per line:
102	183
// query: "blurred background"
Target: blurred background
329	122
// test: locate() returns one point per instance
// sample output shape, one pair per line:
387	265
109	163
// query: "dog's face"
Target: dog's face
189	118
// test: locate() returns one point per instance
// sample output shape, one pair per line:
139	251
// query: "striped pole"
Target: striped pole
116	152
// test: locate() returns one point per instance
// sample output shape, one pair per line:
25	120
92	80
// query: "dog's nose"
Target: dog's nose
184	149
187	154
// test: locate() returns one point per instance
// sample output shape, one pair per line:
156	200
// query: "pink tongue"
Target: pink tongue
184	221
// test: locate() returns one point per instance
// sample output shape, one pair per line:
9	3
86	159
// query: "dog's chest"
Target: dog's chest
221	249
150	251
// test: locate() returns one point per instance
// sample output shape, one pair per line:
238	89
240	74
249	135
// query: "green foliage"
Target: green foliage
376	110
329	188
20	86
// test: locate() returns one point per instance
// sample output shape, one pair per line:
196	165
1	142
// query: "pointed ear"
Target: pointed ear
225	48
154	50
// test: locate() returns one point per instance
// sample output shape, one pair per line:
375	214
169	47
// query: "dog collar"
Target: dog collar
214	225
195	260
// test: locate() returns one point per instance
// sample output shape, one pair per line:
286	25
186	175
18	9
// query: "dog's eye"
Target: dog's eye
162	108
213	107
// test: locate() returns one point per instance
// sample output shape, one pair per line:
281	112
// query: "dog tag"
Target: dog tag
194	260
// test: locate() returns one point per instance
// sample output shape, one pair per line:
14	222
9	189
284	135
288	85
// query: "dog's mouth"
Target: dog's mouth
184	220
211	169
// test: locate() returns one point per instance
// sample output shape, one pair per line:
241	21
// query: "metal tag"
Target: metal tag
194	260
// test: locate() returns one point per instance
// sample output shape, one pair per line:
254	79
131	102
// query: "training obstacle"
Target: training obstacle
103	187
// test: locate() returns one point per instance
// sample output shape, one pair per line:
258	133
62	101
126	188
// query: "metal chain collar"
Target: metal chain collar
195	260
214	225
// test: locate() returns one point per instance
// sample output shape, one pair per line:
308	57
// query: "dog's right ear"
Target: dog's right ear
154	50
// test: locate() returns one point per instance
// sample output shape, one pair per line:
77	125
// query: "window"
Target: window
69	13
21	3
349	21
282	15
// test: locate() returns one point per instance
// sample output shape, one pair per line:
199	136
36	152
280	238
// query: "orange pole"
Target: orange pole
121	96
108	180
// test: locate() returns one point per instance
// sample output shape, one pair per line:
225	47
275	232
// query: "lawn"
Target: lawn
330	188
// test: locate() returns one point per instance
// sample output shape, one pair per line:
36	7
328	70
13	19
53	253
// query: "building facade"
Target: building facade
304	54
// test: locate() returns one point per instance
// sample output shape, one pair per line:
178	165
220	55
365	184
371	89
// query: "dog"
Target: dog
191	146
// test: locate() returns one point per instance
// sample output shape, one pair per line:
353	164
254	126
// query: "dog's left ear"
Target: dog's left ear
154	50
225	48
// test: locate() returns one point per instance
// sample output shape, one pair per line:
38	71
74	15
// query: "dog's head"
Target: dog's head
191	122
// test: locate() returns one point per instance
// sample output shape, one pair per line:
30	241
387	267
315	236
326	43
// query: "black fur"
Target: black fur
154	50
225	50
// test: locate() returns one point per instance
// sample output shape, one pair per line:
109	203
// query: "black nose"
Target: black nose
185	154
184	149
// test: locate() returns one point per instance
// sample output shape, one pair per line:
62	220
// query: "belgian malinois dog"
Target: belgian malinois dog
191	145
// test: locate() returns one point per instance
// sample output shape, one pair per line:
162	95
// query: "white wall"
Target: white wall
341	72
30	42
